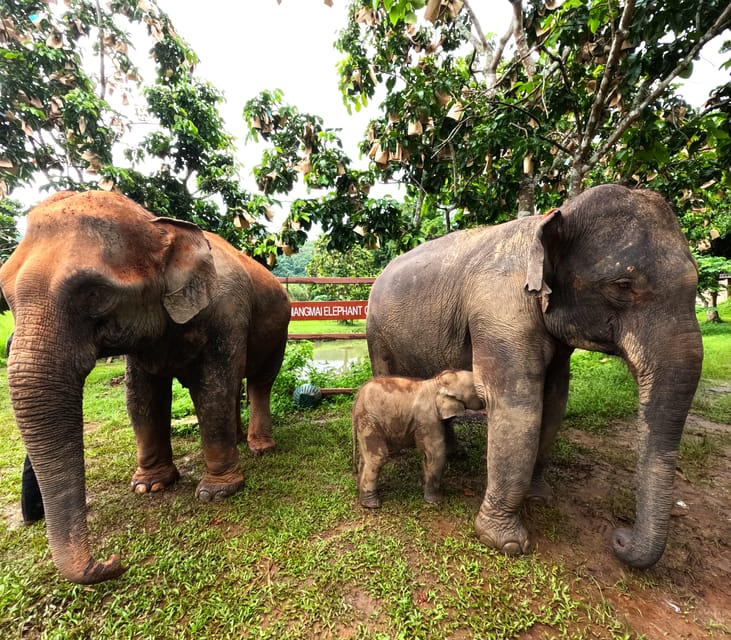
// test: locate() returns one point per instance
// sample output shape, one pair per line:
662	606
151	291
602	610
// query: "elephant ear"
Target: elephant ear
189	272
448	404
535	281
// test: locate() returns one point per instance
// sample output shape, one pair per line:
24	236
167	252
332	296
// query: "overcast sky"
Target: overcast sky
246	47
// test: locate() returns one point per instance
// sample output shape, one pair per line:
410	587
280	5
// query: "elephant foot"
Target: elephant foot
214	488
502	531
539	491
369	500
261	445
154	480
432	497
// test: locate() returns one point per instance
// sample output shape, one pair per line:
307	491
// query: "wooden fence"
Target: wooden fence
328	310
308	395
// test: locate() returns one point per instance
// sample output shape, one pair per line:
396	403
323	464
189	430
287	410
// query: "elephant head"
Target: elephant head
95	275
455	393
614	274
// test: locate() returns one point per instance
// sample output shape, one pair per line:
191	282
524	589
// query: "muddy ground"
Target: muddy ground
688	593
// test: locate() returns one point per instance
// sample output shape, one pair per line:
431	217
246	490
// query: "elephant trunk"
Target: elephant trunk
47	401
666	393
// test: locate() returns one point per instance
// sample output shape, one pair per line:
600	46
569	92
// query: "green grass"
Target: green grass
327	326
293	555
6	328
601	389
713	399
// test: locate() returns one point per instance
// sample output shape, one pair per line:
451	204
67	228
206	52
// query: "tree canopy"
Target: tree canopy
72	99
476	128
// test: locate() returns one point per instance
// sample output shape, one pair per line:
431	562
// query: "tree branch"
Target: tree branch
720	25
612	61
483	43
497	53
102	72
519	35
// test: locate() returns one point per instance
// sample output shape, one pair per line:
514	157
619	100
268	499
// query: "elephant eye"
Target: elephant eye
95	299
620	293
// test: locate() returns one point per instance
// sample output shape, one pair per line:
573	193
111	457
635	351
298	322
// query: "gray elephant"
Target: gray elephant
393	413
611	272
97	275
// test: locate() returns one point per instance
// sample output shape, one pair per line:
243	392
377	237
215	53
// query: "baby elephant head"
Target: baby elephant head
456	393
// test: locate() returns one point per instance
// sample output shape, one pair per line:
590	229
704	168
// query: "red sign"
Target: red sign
330	310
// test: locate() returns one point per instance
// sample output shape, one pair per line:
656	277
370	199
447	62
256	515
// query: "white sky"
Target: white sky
247	47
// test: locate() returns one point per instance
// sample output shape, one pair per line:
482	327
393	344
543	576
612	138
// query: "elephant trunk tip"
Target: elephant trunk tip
95	571
626	549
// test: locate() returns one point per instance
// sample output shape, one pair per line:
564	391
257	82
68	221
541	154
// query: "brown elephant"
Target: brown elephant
610	271
97	275
392	413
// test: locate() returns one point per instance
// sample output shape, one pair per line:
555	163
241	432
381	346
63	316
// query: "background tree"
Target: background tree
62	118
299	145
710	270
471	130
355	262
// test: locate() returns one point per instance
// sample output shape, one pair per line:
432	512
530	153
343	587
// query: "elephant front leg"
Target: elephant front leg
511	454
217	404
259	435
148	405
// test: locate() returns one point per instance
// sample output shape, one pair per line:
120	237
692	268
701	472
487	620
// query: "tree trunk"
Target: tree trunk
526	197
712	311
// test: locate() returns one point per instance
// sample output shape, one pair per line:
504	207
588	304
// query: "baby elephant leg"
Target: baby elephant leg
373	455
435	457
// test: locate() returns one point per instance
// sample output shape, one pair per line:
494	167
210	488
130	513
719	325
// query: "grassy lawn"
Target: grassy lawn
294	556
327	326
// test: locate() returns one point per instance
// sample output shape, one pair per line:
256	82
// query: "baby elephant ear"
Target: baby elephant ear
538	257
448	403
189	273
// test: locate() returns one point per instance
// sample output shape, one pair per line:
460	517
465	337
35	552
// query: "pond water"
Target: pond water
337	354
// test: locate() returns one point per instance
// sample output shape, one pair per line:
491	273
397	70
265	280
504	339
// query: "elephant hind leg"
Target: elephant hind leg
217	403
259	435
435	459
152	480
555	397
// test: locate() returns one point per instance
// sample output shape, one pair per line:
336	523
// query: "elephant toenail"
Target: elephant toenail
512	549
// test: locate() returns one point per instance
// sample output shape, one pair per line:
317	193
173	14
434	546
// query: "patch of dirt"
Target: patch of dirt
687	594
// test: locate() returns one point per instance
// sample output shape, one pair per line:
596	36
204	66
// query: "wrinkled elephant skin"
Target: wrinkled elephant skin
610	272
97	275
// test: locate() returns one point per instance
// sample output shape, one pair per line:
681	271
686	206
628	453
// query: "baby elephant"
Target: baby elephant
393	413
